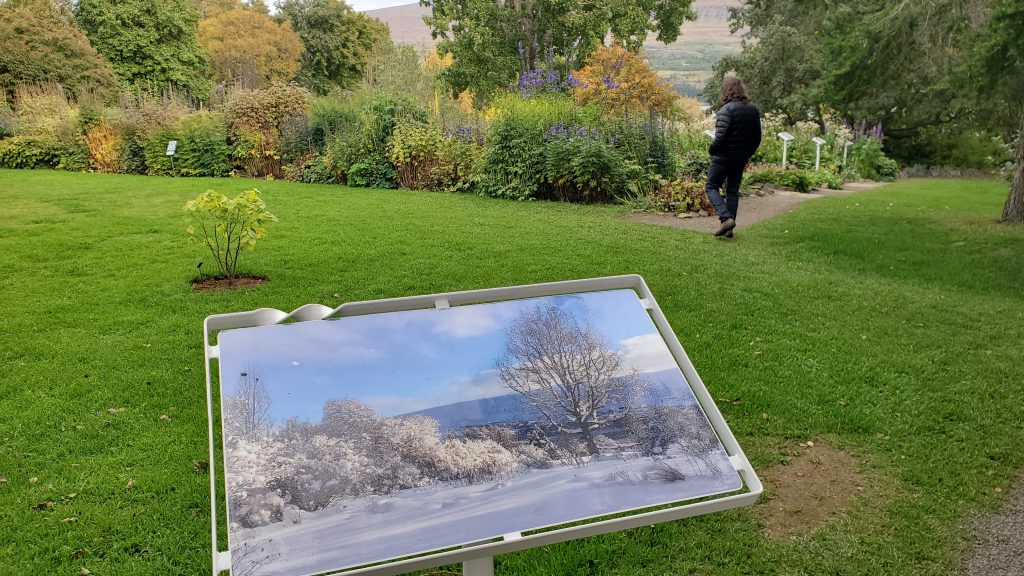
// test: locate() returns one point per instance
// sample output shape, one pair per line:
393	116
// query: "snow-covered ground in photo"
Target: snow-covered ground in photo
375	528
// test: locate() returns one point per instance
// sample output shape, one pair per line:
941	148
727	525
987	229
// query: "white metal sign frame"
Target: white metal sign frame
477	558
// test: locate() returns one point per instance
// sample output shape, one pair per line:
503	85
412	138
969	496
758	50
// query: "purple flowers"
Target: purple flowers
609	83
572	132
870	132
468	133
539	81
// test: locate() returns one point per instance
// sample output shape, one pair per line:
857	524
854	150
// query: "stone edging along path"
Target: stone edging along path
753	209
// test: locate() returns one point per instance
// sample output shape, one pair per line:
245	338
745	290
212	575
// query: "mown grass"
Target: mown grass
888	323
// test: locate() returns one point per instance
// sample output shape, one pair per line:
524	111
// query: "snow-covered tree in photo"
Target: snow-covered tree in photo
319	472
568	371
664	430
247	411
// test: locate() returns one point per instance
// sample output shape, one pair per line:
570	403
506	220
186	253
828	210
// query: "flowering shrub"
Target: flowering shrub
621	82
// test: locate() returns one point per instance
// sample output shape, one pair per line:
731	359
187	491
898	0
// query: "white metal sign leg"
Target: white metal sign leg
478	567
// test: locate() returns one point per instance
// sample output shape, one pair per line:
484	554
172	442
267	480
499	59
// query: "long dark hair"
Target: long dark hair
733	89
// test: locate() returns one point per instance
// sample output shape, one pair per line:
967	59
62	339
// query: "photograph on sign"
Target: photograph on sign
369	438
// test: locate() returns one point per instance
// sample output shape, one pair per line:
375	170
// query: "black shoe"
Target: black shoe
727	225
728	234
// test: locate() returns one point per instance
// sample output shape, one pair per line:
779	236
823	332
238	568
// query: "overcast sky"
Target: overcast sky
361	5
406	361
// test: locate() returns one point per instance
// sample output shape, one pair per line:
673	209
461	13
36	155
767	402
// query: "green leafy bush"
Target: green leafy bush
512	165
28	152
202	147
312	169
694	164
373	171
799	180
227	227
871	163
583	169
72	155
330	117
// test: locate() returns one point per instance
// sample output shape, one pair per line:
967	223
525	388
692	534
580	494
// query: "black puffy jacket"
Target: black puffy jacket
737	131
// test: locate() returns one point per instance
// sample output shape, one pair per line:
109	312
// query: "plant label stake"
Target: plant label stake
172	147
817	153
786	139
846	149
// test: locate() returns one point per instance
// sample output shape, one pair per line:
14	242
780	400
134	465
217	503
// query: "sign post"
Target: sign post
786	138
339	458
818	141
172	147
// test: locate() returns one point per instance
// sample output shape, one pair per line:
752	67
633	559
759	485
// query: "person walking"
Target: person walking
737	137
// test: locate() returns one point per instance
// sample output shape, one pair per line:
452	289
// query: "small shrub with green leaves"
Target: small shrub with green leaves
228	227
683	195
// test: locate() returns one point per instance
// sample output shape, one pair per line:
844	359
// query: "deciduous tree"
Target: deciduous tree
337	39
247	48
493	40
151	45
38	45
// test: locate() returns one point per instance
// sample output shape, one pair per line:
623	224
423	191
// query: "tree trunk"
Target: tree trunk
1013	211
588	437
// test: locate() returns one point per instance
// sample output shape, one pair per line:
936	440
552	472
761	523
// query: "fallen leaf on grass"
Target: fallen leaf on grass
33	480
200	466
70	519
764	415
114	410
3	480
165	417
43	505
85	571
130	484
999	490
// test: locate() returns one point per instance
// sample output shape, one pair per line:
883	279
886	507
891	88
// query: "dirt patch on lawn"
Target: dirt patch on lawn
207	284
817	484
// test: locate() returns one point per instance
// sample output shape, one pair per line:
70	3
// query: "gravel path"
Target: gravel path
999	539
753	209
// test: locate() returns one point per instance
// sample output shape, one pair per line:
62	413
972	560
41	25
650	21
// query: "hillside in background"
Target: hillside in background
685	64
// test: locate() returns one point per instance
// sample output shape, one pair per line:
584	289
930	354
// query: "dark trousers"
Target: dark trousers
730	174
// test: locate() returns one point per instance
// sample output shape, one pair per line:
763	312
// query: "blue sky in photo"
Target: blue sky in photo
401	362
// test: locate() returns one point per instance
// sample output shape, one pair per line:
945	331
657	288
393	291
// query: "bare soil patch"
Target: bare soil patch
817	484
221	283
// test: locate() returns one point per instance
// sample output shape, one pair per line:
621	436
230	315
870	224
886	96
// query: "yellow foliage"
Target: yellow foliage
104	143
248	47
622	83
435	63
689	109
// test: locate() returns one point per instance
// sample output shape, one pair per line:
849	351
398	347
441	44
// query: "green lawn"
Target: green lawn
888	323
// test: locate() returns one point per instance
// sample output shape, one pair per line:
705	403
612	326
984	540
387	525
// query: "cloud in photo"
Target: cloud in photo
648	353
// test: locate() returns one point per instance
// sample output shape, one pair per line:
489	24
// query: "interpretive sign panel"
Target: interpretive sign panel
378	436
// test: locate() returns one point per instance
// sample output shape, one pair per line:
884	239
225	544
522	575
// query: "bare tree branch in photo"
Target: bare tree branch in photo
248	410
568	371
